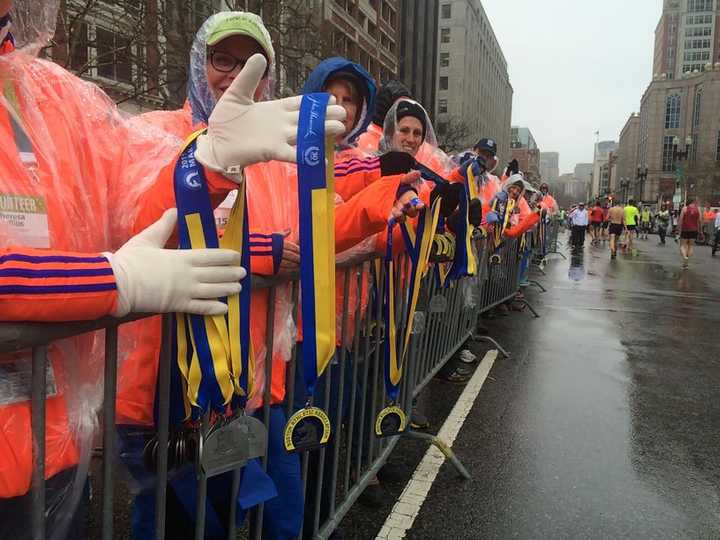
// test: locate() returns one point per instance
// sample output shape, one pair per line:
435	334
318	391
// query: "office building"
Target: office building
549	166
626	159
686	37
601	172
474	95
526	151
417	59
679	141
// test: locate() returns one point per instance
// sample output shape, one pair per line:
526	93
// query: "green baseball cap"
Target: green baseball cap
240	23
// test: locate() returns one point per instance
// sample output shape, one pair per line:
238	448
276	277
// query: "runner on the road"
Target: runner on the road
689	225
616	217
645	221
606	221
631	223
596	219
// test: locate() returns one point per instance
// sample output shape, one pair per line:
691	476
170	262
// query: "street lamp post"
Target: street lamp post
679	156
641	176
624	185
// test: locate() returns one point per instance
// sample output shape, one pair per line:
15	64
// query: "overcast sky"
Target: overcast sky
576	67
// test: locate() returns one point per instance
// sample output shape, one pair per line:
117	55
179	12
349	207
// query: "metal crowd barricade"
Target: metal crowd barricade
333	476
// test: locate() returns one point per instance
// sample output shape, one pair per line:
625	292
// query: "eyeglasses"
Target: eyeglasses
225	62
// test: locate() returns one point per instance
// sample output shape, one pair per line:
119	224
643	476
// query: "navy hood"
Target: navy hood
326	69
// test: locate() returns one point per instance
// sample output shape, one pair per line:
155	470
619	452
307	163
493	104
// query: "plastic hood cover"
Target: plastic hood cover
34	23
199	94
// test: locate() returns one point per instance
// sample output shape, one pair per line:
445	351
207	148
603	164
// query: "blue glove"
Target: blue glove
477	164
492	217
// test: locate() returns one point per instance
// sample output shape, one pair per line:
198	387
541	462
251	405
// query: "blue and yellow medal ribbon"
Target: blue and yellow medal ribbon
316	194
418	245
214	353
464	262
506	213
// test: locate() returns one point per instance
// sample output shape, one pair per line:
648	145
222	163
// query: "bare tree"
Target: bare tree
455	134
138	50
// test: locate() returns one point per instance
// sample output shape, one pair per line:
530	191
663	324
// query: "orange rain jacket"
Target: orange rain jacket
272	208
71	170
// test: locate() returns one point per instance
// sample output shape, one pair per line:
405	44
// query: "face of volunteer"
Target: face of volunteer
348	97
514	191
226	59
408	135
5	6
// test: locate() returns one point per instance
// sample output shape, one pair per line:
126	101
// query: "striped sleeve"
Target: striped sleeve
265	253
44	285
353	175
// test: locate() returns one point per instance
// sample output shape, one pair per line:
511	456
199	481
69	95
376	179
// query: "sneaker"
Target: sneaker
467	356
418	420
461	375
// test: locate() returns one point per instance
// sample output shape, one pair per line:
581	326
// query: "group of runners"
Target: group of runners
620	224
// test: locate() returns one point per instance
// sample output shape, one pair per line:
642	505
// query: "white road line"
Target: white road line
408	506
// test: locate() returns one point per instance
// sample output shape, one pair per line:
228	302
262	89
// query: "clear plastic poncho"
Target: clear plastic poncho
199	94
66	147
429	154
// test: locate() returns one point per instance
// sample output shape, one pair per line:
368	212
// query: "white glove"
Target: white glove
151	279
242	132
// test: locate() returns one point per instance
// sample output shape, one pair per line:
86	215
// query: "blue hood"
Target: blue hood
325	70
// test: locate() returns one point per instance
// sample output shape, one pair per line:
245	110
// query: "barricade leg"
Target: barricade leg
537	284
493	342
443	447
528	305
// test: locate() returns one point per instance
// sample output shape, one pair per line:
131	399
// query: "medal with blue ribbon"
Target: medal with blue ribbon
309	427
505	210
213	370
392	419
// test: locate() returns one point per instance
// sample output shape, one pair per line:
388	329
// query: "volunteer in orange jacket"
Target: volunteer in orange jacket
222	45
225	42
547	201
513	188
389	93
69	191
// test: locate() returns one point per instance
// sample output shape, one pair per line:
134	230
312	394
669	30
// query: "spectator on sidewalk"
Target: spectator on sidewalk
579	219
663	223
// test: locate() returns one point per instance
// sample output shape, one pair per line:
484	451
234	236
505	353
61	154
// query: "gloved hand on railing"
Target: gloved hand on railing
475	212
151	279
450	194
242	132
407	203
492	217
395	162
477	164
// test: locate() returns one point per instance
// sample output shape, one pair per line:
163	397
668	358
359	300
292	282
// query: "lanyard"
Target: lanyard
316	197
22	139
392	419
213	352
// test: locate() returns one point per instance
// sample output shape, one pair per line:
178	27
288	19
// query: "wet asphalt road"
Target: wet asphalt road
606	421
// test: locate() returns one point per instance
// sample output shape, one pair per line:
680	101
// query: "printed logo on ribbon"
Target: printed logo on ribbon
192	181
312	156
